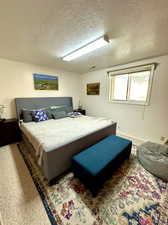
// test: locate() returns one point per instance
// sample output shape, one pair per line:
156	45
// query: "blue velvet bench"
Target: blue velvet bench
95	165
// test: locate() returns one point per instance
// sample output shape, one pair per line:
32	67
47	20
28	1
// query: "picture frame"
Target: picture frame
93	88
45	82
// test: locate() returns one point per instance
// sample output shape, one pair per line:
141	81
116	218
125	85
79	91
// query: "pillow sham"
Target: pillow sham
49	112
58	113
26	115
39	115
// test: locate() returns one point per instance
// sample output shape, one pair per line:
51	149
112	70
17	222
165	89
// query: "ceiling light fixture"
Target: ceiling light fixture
98	43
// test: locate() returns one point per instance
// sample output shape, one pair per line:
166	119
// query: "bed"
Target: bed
54	142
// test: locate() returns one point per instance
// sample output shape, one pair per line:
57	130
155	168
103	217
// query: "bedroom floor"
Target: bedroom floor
20	203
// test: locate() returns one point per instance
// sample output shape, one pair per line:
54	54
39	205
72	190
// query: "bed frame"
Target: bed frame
56	162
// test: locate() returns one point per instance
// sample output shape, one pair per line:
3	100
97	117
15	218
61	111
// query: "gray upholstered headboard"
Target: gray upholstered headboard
37	103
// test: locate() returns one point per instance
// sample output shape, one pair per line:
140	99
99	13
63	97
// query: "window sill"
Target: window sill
129	102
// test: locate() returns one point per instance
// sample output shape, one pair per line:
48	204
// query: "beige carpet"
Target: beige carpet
20	203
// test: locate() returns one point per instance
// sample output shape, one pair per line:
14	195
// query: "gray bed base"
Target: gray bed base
56	162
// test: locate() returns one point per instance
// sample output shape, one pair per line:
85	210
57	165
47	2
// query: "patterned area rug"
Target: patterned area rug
132	196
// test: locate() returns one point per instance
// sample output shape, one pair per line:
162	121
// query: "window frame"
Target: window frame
130	70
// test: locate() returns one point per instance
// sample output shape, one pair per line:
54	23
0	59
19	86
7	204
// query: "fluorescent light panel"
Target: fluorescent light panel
87	48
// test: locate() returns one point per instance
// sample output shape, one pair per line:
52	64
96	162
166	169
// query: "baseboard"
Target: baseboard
136	140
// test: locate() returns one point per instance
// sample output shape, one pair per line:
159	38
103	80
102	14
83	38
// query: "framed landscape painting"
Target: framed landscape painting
93	89
45	82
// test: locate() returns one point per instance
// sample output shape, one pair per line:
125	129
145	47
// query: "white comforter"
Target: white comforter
51	134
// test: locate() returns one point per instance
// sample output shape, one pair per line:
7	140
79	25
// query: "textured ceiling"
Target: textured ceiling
41	32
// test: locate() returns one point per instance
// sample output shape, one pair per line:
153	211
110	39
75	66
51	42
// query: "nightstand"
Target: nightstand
9	132
82	111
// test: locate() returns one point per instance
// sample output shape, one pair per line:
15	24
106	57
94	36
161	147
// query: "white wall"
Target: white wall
148	123
16	80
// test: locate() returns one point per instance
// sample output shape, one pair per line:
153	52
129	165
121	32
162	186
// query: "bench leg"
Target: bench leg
94	194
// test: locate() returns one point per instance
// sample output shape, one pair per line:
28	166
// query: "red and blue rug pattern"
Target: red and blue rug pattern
132	196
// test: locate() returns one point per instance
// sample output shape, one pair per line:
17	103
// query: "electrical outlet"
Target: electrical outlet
162	138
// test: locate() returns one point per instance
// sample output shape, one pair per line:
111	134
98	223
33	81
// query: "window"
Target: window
132	85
